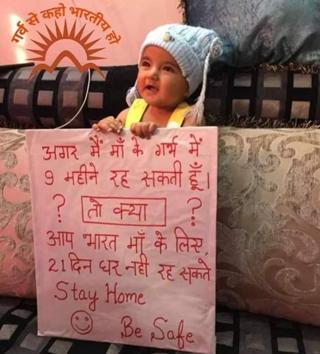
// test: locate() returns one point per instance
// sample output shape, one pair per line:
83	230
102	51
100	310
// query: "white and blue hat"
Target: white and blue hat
193	48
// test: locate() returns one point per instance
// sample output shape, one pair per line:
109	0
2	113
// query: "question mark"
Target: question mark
60	205
197	206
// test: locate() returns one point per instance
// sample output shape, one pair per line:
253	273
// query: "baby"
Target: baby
174	59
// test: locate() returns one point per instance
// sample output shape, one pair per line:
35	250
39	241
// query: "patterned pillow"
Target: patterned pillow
262	31
285	95
269	221
16	244
48	100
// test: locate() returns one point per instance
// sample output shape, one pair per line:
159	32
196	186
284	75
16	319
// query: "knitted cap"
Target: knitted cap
191	47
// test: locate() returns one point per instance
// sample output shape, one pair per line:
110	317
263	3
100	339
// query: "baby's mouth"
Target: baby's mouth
151	88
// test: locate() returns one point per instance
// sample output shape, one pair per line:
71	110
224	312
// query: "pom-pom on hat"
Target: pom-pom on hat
192	47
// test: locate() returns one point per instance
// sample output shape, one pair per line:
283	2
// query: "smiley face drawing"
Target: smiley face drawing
81	322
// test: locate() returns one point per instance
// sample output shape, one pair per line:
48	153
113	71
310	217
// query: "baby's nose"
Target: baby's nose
154	72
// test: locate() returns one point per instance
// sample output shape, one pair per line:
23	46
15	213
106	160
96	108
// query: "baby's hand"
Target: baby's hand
143	129
108	124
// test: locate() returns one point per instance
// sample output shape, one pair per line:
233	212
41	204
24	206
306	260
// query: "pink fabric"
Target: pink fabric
16	246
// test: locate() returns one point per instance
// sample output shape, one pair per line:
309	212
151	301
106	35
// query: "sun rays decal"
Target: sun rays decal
51	37
60	39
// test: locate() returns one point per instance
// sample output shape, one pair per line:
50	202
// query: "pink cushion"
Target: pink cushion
268	229
16	245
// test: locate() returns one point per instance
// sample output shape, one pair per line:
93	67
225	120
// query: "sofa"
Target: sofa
268	201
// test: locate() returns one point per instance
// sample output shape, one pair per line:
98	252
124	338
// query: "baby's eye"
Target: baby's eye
169	68
145	63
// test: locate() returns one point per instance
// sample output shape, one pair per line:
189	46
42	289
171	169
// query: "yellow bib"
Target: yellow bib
139	106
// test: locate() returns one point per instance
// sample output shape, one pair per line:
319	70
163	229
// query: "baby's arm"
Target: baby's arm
111	124
143	129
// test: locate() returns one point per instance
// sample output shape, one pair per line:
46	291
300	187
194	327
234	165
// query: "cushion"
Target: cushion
286	95
48	100
268	222
267	226
236	332
17	276
259	31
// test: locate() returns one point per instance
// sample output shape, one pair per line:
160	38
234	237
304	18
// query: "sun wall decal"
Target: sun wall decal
80	37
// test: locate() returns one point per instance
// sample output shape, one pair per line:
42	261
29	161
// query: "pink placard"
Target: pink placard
124	233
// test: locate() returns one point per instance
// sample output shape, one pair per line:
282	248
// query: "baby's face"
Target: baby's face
160	81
